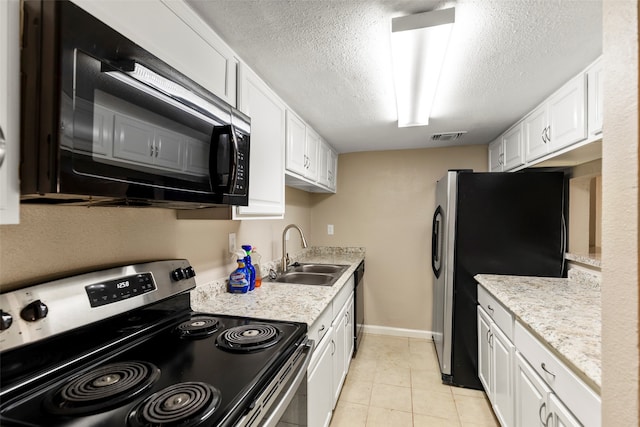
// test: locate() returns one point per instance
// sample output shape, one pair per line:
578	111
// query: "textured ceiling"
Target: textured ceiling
330	61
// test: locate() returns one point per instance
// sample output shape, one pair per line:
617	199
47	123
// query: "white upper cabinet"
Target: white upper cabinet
567	114
9	112
595	96
312	140
311	163
296	144
327	165
496	155
536	133
564	121
512	147
190	46
267	148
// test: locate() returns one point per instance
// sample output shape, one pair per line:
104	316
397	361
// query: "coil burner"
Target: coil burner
246	338
105	387
185	404
198	326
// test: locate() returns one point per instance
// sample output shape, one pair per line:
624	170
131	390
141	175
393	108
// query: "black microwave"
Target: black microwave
104	122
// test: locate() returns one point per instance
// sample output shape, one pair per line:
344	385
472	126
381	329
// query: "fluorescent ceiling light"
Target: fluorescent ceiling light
418	46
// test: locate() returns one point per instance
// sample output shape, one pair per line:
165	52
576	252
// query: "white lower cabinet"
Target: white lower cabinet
331	358
527	385
320	384
495	367
536	404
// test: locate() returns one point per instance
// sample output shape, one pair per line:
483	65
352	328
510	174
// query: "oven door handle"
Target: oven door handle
275	414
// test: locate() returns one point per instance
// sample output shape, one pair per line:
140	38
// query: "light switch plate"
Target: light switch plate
232	242
330	229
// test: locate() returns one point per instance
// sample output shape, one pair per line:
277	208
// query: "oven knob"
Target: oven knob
178	274
34	311
190	272
5	320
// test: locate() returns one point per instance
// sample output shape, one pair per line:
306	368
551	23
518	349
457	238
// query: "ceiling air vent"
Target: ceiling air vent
447	136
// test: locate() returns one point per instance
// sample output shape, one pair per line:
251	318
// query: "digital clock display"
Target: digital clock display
120	289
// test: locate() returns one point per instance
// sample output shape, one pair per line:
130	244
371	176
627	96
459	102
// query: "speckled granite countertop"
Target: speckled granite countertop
281	301
563	313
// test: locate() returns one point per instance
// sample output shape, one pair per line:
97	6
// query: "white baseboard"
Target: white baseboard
398	332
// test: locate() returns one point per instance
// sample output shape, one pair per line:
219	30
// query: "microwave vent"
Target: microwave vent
447	136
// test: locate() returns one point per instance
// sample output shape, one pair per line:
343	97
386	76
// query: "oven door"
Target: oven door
129	132
284	400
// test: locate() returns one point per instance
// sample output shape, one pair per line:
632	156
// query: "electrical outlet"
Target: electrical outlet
330	229
232	242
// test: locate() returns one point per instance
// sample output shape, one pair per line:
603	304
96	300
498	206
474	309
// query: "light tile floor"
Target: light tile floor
395	382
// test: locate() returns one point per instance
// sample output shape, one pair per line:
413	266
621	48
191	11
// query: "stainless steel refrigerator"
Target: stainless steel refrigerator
494	223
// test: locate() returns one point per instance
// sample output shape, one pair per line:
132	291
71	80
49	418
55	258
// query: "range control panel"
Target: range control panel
37	312
117	290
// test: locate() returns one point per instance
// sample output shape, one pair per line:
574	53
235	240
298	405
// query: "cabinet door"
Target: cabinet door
484	351
312	146
536	138
324	158
349	333
333	170
512	148
561	415
530	395
320	386
266	165
339	355
502	376
495	155
9	112
595	99
296	144
567	124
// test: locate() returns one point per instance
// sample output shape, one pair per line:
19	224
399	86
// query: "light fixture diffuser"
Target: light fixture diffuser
418	46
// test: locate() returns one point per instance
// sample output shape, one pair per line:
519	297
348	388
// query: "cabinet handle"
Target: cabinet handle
158	148
542	418
544	368
3	147
490	309
544	135
151	150
321	329
333	345
549	418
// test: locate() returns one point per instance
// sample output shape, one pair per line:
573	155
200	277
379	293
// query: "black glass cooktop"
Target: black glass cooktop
156	376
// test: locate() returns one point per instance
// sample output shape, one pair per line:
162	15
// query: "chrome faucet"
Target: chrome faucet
285	255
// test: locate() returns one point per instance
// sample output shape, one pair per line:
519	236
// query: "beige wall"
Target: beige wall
385	202
620	340
51	241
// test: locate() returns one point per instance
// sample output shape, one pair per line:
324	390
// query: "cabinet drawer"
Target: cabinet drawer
500	315
342	296
321	325
576	395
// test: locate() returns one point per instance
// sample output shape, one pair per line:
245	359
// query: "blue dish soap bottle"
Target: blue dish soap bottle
250	267
239	279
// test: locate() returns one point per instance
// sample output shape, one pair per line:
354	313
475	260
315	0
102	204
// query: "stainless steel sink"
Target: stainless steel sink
321	268
307	278
313	274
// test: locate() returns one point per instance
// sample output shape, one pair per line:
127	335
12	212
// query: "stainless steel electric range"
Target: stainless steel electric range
122	347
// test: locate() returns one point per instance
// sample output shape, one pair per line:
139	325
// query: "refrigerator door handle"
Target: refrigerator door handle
436	242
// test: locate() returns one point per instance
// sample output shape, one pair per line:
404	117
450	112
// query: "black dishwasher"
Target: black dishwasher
358	325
